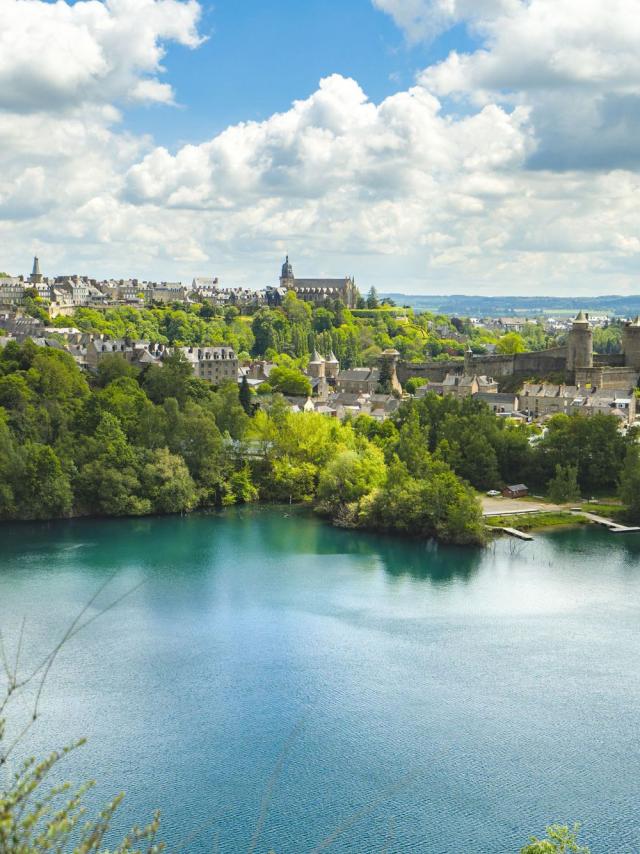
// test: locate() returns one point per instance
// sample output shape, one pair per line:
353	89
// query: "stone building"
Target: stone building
576	361
213	364
318	291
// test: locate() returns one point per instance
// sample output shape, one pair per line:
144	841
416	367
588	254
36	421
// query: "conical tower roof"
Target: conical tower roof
316	358
581	319
332	358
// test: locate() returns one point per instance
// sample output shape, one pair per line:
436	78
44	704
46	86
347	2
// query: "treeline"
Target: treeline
294	328
161	441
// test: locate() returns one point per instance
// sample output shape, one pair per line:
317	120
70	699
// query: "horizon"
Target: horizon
485	148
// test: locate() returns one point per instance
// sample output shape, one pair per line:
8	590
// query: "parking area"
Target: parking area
500	505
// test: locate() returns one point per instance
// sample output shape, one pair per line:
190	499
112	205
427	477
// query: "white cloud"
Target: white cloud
56	56
425	19
399	192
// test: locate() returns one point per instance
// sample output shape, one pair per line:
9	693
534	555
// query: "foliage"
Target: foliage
414	383
510	344
563	486
630	484
289	381
560	840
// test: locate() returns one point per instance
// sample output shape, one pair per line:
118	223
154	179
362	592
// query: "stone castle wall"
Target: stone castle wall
496	366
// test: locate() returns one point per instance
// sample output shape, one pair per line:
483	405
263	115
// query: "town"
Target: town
560	374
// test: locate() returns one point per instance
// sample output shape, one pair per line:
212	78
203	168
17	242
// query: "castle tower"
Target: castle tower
468	361
388	361
631	344
36	276
331	366
580	345
287	279
317	365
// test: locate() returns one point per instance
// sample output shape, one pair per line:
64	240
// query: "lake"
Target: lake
362	693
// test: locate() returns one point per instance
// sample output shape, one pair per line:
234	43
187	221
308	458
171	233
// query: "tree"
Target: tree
351	475
630	484
384	377
170	380
563	486
245	395
42	489
290	381
561	840
166	482
372	298
511	343
112	366
414	383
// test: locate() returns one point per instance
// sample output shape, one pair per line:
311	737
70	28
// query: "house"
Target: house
516	490
500	403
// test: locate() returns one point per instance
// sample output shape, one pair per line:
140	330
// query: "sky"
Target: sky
423	146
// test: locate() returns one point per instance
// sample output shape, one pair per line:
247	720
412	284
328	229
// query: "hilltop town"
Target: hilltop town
519	368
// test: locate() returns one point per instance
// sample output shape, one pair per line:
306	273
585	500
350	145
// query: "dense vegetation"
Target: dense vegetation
296	328
130	443
127	442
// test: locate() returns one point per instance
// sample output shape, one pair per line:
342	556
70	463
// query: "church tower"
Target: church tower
287	279
36	276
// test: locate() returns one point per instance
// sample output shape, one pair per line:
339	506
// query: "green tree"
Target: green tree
351	475
563	486
630	484
372	298
112	366
384	377
414	383
107	481
560	840
290	381
244	396
166	482
42	489
511	343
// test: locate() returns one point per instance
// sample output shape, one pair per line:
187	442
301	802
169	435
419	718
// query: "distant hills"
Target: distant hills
467	305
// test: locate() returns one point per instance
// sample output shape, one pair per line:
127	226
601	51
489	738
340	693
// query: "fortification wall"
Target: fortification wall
526	364
614	360
607	377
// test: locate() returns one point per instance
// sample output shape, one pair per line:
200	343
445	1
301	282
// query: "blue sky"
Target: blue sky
426	146
260	57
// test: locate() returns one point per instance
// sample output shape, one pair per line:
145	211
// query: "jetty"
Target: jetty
614	527
511	532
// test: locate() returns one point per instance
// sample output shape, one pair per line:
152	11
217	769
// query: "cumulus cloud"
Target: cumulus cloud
402	192
574	62
425	19
56	56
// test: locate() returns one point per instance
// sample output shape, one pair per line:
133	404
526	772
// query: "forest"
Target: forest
131	442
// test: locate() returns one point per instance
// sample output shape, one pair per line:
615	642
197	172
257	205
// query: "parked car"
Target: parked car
493	493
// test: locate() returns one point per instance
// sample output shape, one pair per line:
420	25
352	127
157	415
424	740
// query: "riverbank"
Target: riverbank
537	521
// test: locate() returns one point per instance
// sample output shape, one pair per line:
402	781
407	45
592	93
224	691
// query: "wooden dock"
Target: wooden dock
614	527
512	532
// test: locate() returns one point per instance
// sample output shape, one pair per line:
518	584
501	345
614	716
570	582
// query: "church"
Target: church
318	291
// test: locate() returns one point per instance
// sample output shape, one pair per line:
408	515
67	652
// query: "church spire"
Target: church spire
36	275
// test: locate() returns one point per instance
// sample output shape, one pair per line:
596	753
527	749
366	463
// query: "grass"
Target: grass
535	521
611	511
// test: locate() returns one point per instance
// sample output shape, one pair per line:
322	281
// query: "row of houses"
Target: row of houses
538	400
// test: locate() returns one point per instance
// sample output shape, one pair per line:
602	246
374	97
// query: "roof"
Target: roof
359	374
320	283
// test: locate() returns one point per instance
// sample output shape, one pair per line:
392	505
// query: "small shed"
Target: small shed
516	490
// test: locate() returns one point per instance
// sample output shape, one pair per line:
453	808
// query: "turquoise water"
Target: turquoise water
415	698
